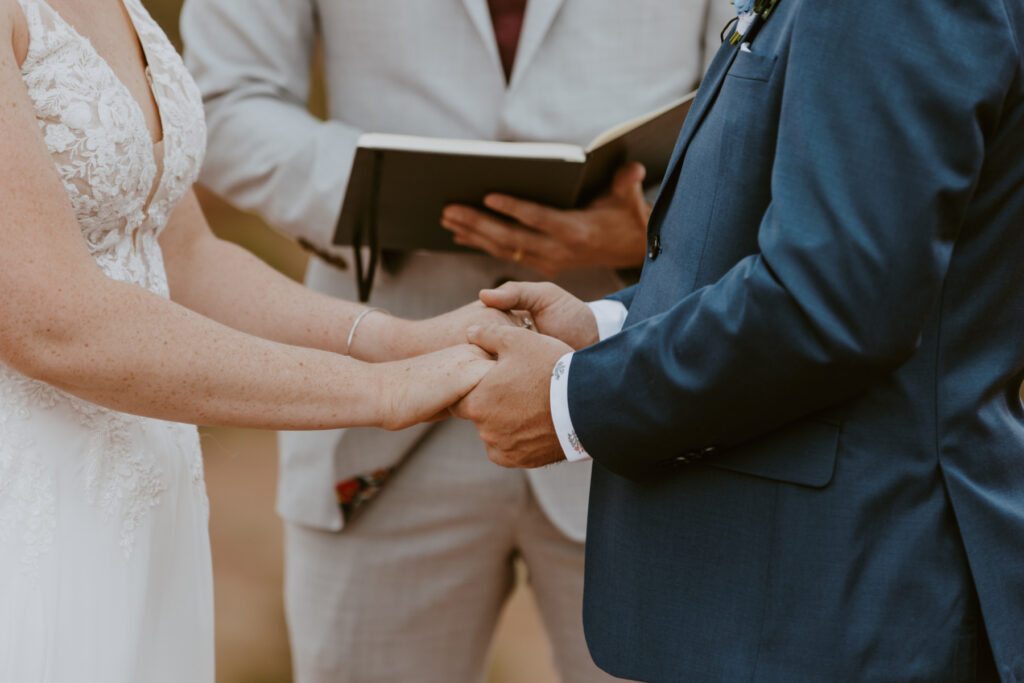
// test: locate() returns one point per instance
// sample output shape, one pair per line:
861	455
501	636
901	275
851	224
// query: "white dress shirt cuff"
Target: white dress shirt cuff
610	316
571	446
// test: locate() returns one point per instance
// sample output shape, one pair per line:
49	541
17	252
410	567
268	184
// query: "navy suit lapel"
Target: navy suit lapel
709	88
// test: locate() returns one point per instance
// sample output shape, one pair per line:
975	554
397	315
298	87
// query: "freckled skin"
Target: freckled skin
238	344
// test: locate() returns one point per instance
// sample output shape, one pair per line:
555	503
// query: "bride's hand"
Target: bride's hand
449	329
421	389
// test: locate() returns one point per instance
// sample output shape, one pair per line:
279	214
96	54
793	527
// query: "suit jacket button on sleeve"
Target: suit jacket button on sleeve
709	451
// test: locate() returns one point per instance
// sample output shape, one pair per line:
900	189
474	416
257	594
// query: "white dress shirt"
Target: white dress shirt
610	316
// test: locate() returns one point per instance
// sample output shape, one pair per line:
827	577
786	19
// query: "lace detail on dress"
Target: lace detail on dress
181	112
27	497
27	503
187	438
97	135
123	481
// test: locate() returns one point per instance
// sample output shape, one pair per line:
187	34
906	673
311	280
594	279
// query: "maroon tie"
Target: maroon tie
507	17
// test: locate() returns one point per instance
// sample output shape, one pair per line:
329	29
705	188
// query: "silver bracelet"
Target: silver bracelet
355	324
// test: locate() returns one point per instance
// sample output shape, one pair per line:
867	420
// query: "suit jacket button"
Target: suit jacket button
708	452
655	248
683	459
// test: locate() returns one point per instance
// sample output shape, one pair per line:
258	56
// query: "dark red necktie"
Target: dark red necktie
507	17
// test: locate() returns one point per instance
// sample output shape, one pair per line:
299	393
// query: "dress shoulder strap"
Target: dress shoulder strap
46	28
27	6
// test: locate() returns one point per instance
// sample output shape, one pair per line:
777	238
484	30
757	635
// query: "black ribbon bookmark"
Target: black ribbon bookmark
368	228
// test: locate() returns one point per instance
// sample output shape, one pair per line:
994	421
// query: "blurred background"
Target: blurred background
241	473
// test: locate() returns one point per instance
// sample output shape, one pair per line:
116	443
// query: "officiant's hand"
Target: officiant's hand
553	311
610	231
511	404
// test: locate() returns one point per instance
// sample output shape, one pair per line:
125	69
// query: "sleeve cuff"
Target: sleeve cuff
610	316
571	446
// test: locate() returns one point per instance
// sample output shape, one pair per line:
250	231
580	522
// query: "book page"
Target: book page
626	126
483	148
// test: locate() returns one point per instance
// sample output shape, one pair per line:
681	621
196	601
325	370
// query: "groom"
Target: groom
808	435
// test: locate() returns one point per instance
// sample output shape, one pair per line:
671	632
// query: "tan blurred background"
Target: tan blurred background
241	470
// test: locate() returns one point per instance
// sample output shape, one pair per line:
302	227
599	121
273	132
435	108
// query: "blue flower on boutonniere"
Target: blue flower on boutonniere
750	14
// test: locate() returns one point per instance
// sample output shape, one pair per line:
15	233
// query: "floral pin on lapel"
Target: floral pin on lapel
750	15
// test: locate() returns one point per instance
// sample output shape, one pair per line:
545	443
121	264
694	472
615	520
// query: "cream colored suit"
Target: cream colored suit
425	67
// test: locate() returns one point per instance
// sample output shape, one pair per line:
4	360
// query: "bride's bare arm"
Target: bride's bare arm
116	344
228	284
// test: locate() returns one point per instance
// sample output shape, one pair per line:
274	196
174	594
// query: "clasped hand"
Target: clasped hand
511	404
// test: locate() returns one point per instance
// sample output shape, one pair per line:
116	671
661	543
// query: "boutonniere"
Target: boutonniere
750	15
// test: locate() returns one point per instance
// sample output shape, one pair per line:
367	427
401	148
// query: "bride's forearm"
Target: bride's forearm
136	352
226	283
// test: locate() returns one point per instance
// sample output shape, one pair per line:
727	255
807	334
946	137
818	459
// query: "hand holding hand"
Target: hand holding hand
424	387
610	231
398	338
554	311
511	405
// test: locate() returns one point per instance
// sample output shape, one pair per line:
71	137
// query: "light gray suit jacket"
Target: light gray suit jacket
424	67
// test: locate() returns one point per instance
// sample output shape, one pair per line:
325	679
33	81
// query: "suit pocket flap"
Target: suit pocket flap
803	453
752	66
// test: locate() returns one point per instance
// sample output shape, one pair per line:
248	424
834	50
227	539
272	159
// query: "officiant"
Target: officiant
400	546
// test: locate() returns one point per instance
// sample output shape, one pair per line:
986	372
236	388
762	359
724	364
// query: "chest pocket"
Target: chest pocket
745	114
752	66
749	101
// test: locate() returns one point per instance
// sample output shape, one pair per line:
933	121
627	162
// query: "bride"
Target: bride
124	321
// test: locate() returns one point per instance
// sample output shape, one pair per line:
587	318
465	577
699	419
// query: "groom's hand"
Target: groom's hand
554	311
511	405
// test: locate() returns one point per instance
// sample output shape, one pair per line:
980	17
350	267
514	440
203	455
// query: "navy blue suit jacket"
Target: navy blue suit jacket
809	438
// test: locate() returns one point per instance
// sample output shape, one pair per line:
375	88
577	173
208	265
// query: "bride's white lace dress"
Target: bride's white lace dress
104	553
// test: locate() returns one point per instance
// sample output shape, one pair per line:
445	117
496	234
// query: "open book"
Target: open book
399	184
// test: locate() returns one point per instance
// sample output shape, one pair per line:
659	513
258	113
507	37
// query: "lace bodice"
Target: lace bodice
123	189
97	135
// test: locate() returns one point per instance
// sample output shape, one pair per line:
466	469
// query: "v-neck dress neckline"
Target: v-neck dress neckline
157	149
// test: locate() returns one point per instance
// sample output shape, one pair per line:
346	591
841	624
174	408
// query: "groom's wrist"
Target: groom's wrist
560	417
609	317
